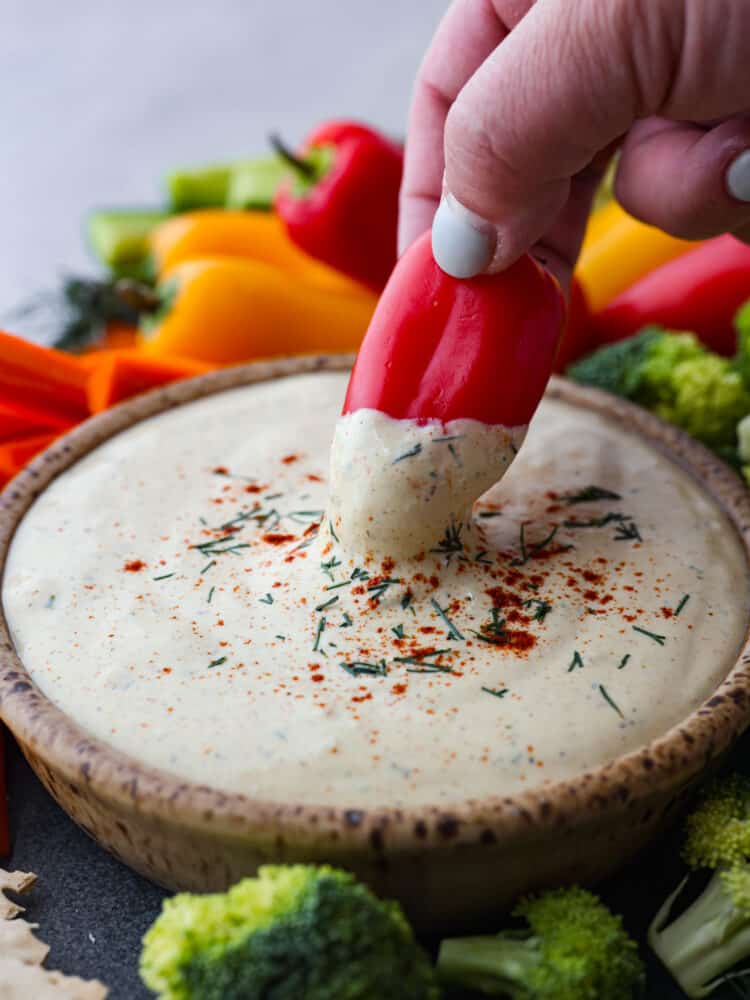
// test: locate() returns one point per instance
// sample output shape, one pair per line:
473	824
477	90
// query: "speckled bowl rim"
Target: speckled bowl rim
665	765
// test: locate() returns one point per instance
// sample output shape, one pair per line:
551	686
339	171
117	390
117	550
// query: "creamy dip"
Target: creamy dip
182	594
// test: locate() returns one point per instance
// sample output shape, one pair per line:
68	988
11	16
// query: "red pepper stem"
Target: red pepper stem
303	167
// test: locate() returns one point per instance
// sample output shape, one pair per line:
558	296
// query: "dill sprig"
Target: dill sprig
411	453
423	659
376	591
359	667
660	639
164	576
450	544
334	536
207	567
481	557
681	605
398	631
218	662
305	516
210	595
266	599
623	662
530	551
576	662
607	697
318	634
453	631
327	604
542	608
329	565
589	494
346	621
496	692
627	532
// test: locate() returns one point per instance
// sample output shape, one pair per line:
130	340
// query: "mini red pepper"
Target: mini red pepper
445	349
699	291
577	338
341	205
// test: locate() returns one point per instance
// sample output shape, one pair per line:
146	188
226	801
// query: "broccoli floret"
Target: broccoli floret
742	358
676	377
701	945
293	932
572	949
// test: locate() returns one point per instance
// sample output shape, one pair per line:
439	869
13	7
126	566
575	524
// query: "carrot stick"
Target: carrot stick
118	375
15	454
52	379
4	828
26	419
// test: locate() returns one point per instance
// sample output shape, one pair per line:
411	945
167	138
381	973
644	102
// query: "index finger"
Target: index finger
467	35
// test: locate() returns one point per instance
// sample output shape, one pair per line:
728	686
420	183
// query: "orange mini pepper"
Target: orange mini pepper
258	236
226	310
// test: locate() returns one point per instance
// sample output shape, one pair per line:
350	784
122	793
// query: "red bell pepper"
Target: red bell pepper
441	348
577	338
341	205
699	291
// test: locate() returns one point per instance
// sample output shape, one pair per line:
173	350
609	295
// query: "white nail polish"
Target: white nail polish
738	177
463	243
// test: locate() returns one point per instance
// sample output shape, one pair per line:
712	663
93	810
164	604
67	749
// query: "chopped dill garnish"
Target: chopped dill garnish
448	437
453	632
430	668
451	543
50	603
273	496
597	522
423	659
661	639
406	600
329	565
305	516
208	566
346	622
398	631
623	662
681	605
496	693
530	551
627	532
203	521
327	604
378	590
454	453
334	536
489	513
360	574
481	557
577	661
589	494
359	667
210	595
217	663
282	637
164	576
542	609
318	634
335	586
267	599
303	545
612	704
408	454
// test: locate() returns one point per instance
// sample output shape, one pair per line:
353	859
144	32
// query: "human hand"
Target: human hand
519	105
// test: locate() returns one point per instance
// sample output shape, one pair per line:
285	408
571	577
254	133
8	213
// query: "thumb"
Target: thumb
566	82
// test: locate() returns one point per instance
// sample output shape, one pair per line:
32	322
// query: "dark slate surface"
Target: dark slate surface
92	910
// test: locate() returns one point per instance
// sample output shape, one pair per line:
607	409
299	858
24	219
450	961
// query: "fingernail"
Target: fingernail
463	243
738	177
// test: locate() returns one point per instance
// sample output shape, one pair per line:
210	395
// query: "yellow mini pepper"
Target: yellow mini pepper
226	310
618	250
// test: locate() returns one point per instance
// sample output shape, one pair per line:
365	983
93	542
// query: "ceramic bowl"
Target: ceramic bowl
449	867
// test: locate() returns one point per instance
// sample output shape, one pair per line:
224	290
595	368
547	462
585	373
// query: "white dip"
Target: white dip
172	593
